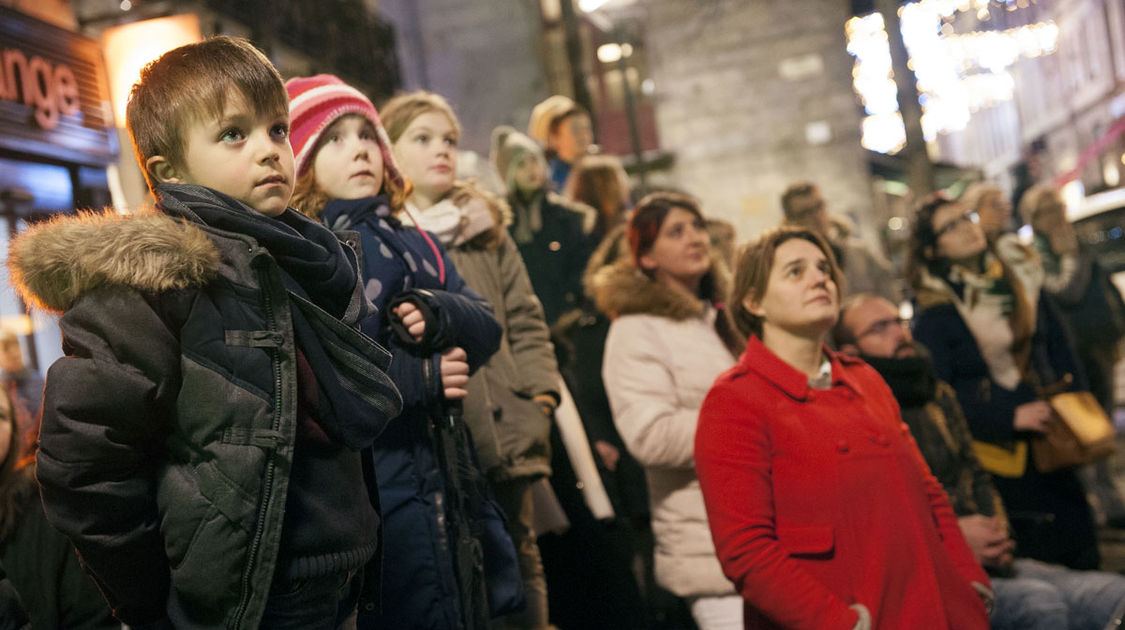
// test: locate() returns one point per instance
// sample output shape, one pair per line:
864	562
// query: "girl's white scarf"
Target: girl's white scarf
453	225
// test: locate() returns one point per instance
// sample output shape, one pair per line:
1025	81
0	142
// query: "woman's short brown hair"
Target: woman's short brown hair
752	272
191	82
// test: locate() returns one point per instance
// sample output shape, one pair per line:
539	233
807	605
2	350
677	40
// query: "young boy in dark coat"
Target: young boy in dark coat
201	439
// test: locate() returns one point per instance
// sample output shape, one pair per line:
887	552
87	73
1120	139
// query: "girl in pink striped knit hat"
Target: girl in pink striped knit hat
437	330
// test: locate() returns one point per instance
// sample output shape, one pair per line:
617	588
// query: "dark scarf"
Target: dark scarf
356	399
911	379
342	214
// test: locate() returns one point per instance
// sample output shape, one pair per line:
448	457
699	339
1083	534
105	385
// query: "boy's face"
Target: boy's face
573	137
241	154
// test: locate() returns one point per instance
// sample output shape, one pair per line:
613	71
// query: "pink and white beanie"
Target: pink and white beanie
318	101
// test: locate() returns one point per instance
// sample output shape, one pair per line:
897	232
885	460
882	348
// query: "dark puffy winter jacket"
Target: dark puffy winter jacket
421	584
168	428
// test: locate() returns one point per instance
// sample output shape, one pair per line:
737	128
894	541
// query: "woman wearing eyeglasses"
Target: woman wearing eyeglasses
996	338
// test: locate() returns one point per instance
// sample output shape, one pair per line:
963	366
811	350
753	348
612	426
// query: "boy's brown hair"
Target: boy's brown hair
794	204
192	82
752	272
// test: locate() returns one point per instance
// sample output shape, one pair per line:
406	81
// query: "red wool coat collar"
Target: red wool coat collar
794	383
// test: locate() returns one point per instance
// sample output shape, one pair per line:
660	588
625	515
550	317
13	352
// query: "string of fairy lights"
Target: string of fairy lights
957	73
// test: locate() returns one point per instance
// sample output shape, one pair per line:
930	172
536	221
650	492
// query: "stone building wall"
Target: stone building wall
749	94
752	95
482	55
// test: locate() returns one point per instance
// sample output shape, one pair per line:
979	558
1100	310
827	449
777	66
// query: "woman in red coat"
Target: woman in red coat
823	513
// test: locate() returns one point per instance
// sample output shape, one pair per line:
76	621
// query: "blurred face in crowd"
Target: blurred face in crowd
530	173
800	296
11	357
995	213
958	231
878	330
349	164
426	153
244	154
681	251
1050	216
810	212
573	137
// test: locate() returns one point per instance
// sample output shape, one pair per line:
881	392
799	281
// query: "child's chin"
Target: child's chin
270	209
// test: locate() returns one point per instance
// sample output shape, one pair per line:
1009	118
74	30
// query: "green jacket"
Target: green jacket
169	426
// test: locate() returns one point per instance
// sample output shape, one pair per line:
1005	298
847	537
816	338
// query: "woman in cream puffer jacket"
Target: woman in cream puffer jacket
668	342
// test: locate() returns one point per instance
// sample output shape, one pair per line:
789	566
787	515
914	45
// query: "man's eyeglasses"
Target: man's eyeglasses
968	217
882	326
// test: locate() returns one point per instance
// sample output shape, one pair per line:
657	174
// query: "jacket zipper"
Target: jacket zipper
259	530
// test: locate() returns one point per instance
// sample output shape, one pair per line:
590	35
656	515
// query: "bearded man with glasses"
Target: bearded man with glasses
1029	595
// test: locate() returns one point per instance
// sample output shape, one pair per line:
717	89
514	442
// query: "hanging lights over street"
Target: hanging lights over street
958	74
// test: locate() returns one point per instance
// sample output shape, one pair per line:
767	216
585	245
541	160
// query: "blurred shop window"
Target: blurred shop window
30	192
624	45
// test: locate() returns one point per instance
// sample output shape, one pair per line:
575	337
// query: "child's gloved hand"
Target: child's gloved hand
454	373
412	319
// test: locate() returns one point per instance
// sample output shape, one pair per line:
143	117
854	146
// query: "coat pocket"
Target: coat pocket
807	541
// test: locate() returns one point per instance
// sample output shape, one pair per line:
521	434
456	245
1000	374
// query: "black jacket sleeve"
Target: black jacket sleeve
989	409
461	318
105	417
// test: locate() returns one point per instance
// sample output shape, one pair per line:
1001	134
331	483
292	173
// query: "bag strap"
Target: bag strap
430	242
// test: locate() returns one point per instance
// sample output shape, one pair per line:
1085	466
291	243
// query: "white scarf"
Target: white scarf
453	225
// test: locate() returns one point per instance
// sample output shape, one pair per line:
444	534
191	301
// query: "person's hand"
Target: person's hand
608	452
1032	416
988	539
411	319
454	373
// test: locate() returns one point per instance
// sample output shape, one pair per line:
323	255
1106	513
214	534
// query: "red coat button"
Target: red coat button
842	446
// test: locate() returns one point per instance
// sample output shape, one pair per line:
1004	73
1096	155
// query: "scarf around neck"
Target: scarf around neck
311	258
998	304
326	303
453	224
343	214
528	215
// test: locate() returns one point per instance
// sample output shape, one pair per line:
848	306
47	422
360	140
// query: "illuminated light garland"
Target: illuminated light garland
957	75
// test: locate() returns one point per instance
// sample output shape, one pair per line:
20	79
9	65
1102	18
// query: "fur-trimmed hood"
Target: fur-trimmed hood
623	289
463	192
52	263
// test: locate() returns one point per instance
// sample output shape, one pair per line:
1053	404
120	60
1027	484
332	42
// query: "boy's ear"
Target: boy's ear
162	170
